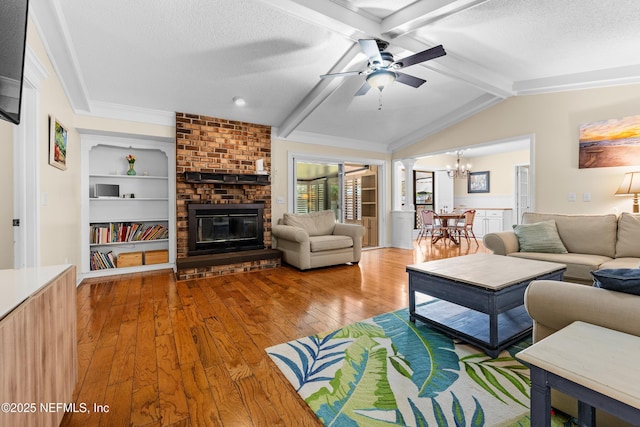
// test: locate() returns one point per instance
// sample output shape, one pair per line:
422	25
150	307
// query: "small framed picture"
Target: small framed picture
57	144
478	182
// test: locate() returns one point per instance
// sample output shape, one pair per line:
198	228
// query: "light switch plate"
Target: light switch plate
572	196
586	197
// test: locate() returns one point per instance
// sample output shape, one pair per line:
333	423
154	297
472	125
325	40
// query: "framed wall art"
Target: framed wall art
58	143
613	142
478	182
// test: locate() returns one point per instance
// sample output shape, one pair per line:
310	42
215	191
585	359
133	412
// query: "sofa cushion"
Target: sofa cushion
315	223
618	279
579	266
582	234
628	243
539	237
622	263
329	243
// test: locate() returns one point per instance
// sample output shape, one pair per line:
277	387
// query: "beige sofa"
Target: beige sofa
315	240
553	305
593	242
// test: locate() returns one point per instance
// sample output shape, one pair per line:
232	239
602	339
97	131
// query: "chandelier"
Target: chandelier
459	170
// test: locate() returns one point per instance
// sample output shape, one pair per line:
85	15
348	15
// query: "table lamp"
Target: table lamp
630	185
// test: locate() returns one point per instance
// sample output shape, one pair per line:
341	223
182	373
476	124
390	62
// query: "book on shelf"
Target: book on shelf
122	232
100	260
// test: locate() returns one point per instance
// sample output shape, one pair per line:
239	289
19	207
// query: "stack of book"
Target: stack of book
126	232
100	260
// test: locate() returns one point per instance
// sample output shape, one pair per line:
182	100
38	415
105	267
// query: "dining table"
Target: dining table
448	221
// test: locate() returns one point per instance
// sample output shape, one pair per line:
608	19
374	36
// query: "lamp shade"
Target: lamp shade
630	184
381	78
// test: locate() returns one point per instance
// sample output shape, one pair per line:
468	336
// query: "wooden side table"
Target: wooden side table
597	366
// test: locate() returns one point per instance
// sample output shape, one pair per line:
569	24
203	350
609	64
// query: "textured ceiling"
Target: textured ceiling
195	56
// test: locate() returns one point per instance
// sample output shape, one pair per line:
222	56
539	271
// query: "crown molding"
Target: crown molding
577	81
108	110
52	29
34	71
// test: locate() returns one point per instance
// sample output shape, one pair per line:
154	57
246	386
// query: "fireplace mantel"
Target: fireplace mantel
225	178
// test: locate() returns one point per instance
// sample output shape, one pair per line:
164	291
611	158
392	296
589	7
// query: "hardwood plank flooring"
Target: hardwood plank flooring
161	352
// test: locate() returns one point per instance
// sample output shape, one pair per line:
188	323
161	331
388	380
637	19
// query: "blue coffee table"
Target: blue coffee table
479	298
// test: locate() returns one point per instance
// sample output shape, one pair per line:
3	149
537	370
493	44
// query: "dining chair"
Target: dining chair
429	224
464	227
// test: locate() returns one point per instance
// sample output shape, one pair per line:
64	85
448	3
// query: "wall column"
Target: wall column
402	218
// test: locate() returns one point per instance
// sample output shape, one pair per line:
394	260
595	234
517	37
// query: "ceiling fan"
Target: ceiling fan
382	70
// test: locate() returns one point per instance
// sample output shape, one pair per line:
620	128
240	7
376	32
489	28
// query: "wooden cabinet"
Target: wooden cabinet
371	231
491	221
39	363
139	213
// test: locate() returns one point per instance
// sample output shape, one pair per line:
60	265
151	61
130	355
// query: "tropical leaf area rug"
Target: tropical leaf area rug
386	371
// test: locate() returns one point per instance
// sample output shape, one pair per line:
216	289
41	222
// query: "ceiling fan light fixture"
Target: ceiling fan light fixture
381	78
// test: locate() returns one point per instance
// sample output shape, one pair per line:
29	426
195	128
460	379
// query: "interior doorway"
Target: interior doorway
348	189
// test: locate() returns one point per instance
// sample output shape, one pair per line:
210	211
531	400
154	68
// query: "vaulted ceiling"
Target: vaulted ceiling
149	58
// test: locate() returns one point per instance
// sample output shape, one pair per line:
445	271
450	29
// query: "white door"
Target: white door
444	191
26	184
523	192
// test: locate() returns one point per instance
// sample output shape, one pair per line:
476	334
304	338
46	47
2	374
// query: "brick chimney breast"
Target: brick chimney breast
213	145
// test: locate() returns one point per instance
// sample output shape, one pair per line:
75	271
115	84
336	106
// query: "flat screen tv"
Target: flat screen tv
13	40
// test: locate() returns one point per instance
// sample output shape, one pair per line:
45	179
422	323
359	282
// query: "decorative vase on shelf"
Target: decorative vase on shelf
132	160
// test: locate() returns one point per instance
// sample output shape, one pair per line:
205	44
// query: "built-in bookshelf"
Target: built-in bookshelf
136	214
370	206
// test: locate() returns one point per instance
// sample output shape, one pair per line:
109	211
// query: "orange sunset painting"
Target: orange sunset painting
613	142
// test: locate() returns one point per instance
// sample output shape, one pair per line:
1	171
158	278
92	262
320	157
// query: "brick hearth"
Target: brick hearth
212	145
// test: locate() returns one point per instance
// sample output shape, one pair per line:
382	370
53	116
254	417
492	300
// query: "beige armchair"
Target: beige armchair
315	240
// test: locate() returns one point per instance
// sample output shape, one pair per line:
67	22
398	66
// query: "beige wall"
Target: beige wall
501	173
6	192
60	226
280	178
554	120
60	215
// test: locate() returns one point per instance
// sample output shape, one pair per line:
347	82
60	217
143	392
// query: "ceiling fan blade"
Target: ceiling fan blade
426	55
409	80
363	89
370	48
345	74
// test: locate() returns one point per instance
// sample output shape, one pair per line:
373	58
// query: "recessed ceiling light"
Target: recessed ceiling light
240	102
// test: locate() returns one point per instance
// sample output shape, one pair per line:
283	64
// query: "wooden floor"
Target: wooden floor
154	351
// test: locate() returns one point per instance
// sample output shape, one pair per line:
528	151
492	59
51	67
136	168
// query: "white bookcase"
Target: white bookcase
149	198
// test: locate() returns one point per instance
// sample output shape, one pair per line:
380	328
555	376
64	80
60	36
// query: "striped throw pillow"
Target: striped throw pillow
539	237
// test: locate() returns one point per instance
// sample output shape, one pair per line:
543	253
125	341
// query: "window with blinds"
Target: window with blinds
312	196
353	199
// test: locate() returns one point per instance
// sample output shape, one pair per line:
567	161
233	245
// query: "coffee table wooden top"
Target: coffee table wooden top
600	359
487	270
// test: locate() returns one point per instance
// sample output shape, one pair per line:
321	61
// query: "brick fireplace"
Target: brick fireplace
216	165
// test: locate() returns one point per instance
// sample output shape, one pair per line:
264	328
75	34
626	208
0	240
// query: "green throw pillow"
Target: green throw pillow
539	237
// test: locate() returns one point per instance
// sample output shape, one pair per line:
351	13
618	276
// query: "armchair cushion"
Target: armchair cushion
330	242
539	237
618	279
315	223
